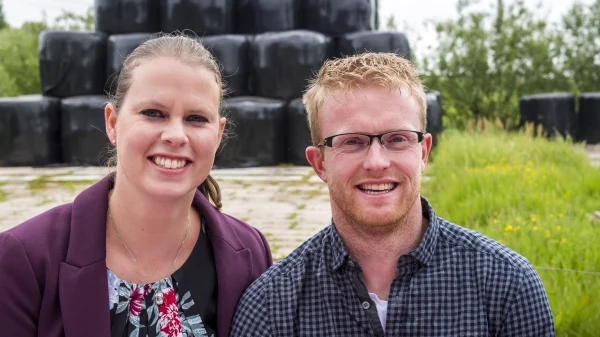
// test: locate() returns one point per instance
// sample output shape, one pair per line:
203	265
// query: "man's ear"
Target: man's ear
110	120
315	157
425	150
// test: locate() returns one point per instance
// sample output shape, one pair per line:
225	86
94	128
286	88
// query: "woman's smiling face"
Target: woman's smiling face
168	128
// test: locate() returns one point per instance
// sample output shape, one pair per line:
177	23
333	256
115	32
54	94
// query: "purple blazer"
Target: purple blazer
53	268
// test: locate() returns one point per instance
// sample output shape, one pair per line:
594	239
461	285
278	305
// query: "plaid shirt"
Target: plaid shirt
457	282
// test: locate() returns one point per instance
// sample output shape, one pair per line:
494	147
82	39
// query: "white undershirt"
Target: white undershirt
381	308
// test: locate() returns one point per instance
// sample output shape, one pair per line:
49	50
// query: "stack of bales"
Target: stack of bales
268	50
555	114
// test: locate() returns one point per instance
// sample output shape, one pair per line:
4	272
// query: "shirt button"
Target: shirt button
366	305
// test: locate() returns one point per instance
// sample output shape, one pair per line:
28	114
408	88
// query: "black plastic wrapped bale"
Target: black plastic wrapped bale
72	63
378	42
336	17
434	115
260	138
262	16
119	47
589	117
29	131
83	131
283	62
554	112
126	16
203	17
233	52
298	135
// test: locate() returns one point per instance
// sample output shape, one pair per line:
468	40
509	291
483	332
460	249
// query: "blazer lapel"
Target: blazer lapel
83	285
233	262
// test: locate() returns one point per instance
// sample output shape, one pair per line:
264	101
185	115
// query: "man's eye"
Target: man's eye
197	119
152	113
397	139
352	141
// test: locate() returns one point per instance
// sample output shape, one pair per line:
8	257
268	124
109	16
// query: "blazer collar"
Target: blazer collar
83	285
233	262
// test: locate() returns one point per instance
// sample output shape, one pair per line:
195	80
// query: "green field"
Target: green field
537	197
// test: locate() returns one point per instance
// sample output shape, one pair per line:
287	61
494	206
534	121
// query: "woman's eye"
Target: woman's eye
197	119
152	113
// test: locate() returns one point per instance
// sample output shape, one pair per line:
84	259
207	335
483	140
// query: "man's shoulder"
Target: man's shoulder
455	237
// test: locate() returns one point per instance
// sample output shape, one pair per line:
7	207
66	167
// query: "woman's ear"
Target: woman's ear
110	120
222	123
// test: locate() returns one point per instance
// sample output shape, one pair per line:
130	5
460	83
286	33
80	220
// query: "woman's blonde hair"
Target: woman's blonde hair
345	74
182	48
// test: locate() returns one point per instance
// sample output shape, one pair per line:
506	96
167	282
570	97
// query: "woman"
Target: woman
143	252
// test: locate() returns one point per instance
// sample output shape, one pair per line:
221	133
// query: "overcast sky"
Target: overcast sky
410	14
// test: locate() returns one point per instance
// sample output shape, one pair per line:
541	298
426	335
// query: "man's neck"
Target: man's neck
378	253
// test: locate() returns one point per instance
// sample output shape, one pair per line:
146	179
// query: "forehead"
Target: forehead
168	81
370	109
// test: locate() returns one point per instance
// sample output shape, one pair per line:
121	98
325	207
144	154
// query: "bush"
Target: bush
19	65
536	196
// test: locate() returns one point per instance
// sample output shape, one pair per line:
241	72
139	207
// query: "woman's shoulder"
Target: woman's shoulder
254	240
43	232
243	229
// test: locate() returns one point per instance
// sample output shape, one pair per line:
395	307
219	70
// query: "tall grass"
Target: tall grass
537	197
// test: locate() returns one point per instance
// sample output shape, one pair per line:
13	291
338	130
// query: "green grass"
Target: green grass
535	196
45	182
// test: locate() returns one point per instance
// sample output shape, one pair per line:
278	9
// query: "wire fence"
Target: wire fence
582	272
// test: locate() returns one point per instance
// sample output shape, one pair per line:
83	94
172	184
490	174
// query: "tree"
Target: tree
75	22
486	60
3	23
391	23
19	64
580	46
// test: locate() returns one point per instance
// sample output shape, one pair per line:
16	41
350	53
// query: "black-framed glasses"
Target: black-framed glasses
393	141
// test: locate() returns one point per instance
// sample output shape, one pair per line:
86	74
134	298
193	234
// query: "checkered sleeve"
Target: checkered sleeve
529	313
251	318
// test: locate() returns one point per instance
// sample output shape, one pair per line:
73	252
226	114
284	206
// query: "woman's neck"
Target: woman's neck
150	226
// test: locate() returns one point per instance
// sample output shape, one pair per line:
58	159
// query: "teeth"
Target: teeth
169	163
377	187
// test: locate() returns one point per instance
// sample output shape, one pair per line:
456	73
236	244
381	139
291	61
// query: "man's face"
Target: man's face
374	189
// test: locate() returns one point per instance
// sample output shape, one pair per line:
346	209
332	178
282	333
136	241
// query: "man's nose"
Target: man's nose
377	156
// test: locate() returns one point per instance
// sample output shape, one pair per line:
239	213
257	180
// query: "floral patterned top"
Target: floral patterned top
181	305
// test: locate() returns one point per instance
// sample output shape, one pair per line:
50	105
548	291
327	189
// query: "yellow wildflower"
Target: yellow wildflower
508	228
535	228
563	240
558	228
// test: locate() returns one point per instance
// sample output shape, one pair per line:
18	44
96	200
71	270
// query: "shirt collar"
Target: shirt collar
423	253
425	250
338	248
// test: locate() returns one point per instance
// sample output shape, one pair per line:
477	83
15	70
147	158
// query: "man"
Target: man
387	265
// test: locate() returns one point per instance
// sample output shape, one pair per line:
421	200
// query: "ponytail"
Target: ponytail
211	190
